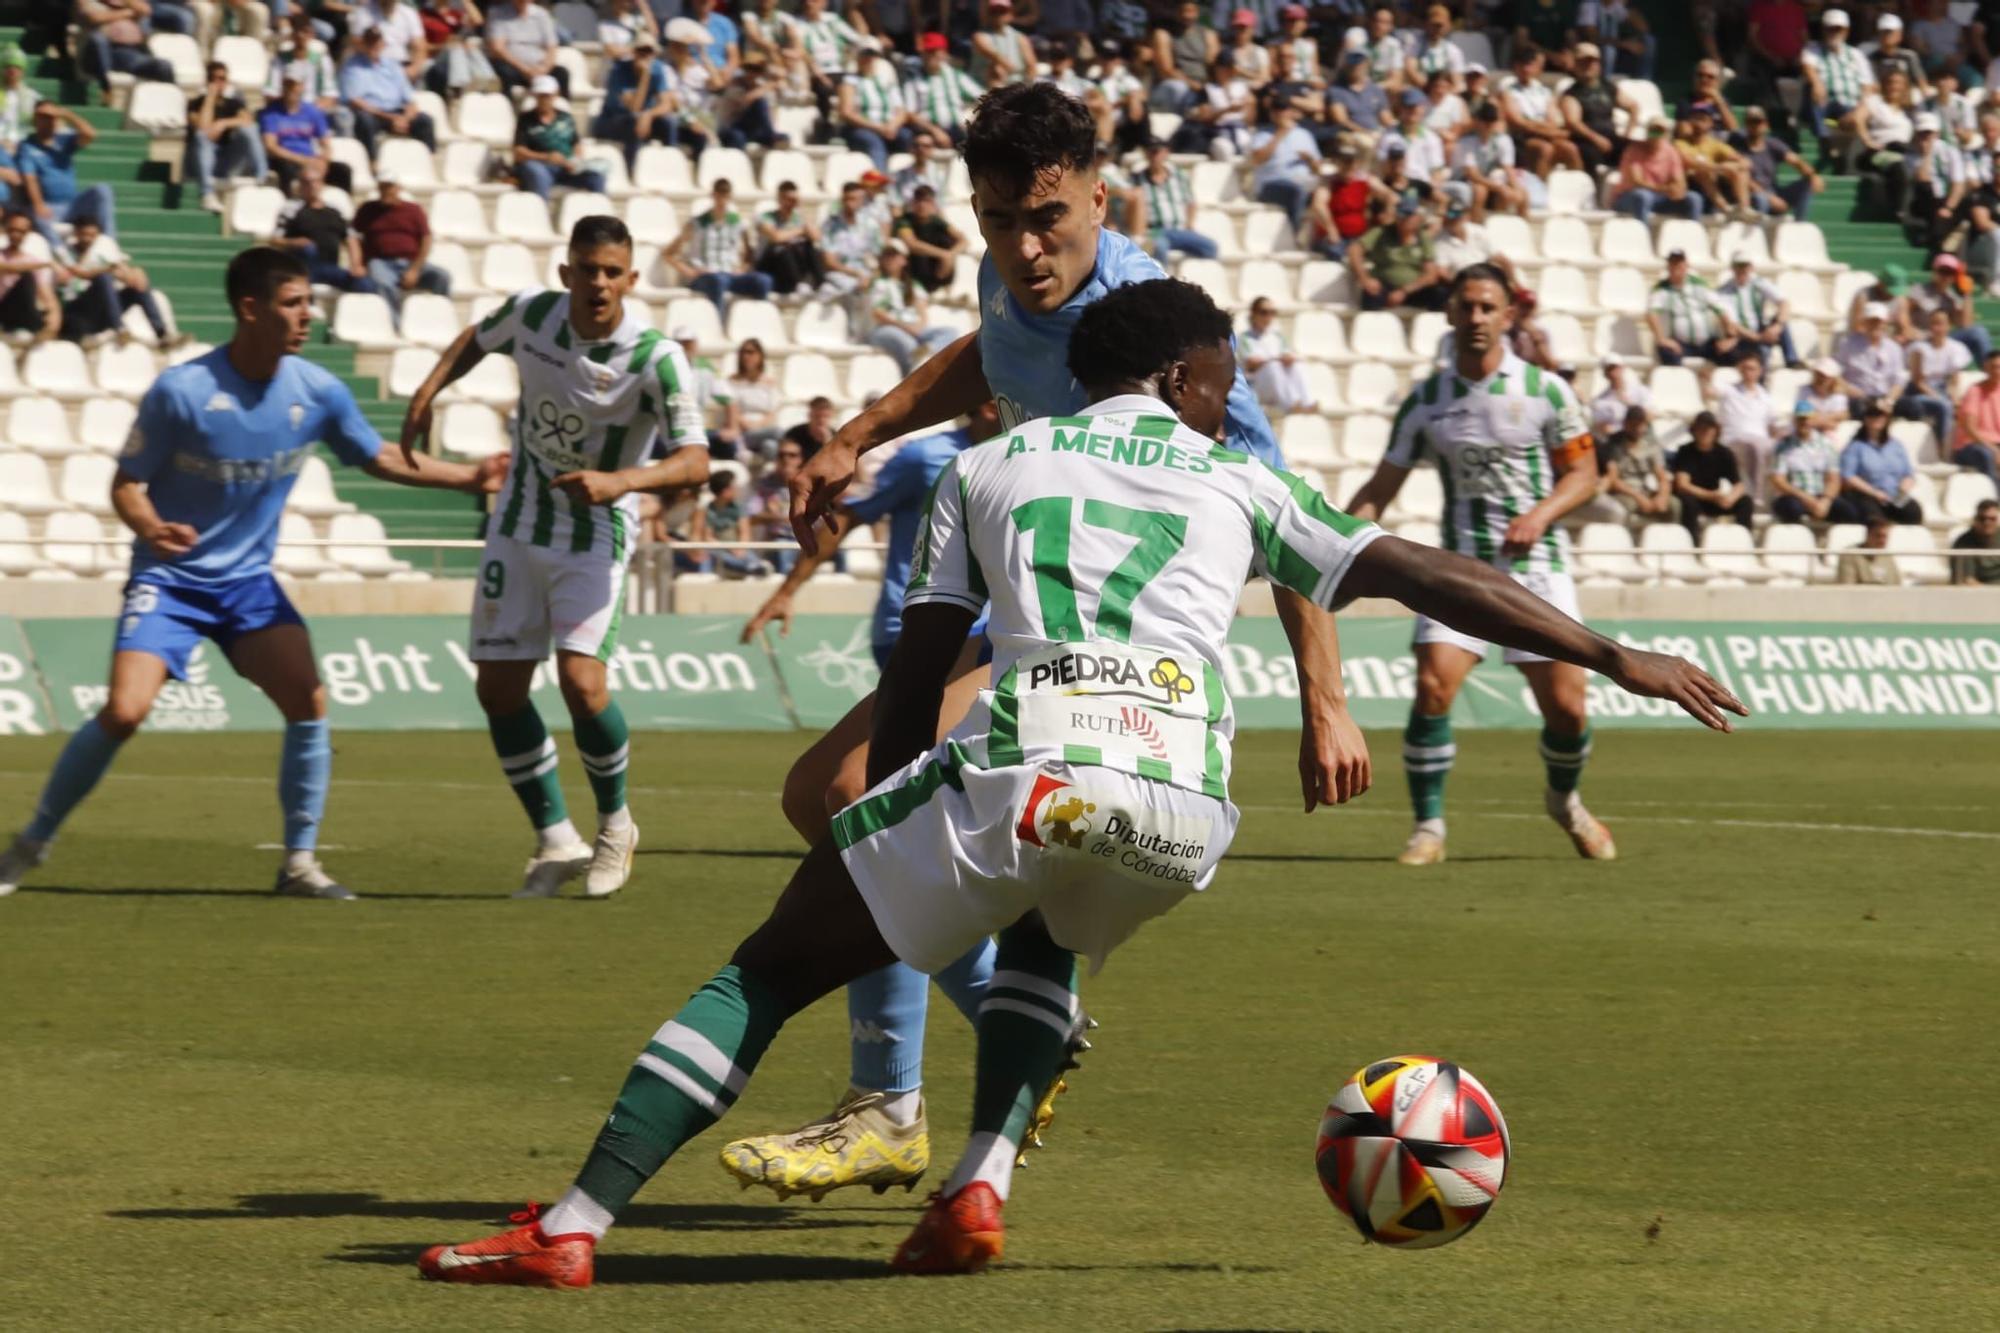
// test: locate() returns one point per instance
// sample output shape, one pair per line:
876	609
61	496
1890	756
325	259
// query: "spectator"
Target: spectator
1297	38
1356	106
1462	242
1124	94
297	133
770	507
1706	479
1837	78
1979	211
1884	291
1708	92
1218	121
724	51
1484	161
1384	50
1890	55
622	21
940	98
750	422
1805	479
1976	444
812	433
405	42
1432	52
872	117
705	388
381	97
722	519
1822	404
1341	205
304	59
1936	360
1958	113
1000	53
395	241
1776	36
1759	309
934	245
521	41
113	38
316	232
1061	58
1395	264
1425	156
827	40
47	162
1871	362
1633	487
640	102
1714	168
455	64
1270	365
897	309
1885	128
1763	154
28	302
1751	421
1168	211
1183	53
693	83
743	108
1121	21
1867	564
222	138
1688	317
1622	392
546	144
713	252
17	97
1284	163
1875	469
926	166
1951	292
1652	178
1590	107
1983	535
99	285
788	246
1252	61
1448	116
1541	139
851	242
1937	183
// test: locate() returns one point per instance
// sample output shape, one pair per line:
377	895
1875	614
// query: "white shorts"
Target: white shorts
528	600
1558	590
945	854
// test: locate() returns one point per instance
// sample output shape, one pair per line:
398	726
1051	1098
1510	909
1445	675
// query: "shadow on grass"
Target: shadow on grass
665	1216
738	853
139	891
1331	858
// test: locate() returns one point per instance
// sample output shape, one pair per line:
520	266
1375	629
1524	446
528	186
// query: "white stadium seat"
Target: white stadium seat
313	492
360	549
471	430
871	372
1306	440
697	313
24	480
458	215
456	260
463	164
86	482
1626	241
249	63
1676	392
1623	290
429	320
1372	386
651	219
1790	553
1213	278
58	370
410	366
10	377
1964	492
1670	553
1380	336
494	382
821	324
662	170
363	320
578	205
159	109
1320	334
1688	236
41	425
808	375
761	320
487	117
1421	496
1915	548
1364	438
299	561
1563	289
521	216
17	554
1324	282
1606	552
127	371
183	53
789	164
1267	232
1802	245
1569	240
75	541
1571	191
410	162
508	268
730	163
1730	551
106	425
843	166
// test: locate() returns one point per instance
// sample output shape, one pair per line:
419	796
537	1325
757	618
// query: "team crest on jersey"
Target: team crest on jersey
220	402
297	415
1056	815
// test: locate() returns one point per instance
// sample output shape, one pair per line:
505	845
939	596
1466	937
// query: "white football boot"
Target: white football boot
1592	839
15	863
611	859
552	867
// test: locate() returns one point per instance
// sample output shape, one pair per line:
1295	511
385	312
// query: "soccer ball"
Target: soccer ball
1413	1151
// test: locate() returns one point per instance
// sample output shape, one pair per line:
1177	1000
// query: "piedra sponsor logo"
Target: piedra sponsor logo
1165	681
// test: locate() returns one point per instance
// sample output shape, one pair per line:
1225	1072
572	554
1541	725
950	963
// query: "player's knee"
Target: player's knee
121	717
304	705
1434	691
1567	713
499	696
585	689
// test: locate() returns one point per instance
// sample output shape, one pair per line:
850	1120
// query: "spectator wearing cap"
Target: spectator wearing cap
1949	290
98	285
296	133
1805	473
302	57
1483	161
1759	309
1250	60
1355	104
521	41
1395	264
1652	178
1875	469
395	240
1000	53
1284	164
1707	480
546	146
1183	50
1763	153
315	231
742	108
1976	441
1888	52
17	96
1713	167
943	94
934	245
1218	121
1529	107
47	163
1269	364
1590	107
1168	208
898	313
380	95
713	253
1872	363
788	246
1822	404
1343	203
1752	421
871	115
1425	156
641	101
112	34
1433	52
1937	183
1688	317
1838	76
222	138
1983	535
1295	36
1936	362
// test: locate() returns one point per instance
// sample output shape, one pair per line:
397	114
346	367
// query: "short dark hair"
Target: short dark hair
783	186
1985	507
1026	133
817	402
720	481
598	229
1138	330
1481	272
215	67
923	192
1702	419
259	271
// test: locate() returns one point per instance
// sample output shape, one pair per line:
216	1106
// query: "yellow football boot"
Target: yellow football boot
1045	1109
855	1144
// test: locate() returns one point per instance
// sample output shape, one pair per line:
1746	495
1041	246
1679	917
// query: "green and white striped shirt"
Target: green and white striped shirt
1491	441
591	406
943	98
878	98
1845	72
827	42
1752	304
718	241
1690	313
1167	201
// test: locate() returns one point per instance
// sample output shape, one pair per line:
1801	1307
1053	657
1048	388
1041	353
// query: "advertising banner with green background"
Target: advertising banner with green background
690	673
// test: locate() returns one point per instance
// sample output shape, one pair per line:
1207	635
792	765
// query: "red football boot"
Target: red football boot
961	1234
523	1257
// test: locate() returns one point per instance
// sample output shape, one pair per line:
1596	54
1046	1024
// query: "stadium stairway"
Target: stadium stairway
1875	245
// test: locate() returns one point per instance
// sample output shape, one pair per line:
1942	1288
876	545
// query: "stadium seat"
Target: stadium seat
299	561
1669	551
184	54
1563	288
362	319
1364	438
486	117
1372	386
659	169
1478	47
1626	241
160	109
576	21
1213	278
85	482
1919	439
1324	282
41	425
1964	492
1306	440
463	164
1381	333
1266	278
789	164
1568	239
578	205
1605	550
76	542
313	493
360	548
800	124
1915	548
429	320
652	220
842	166
822	324
582	87
10	378
1623	290
1321	335
106	425
1570	191
1676	392
458	215
1568	343
494	381
1514	238
761	320
471	431
1805	294
1730	551
807	375
1790	553
1428	332
25	482
410	162
58	370
456	260
409	367
354	156
1421	496
1323	383
732	163
1805	339
697	313
1847	286
17	552
871	372
1626	336
249	63
1802	245
521	216
127	371
1745	238
508	267
1687	235
1268	232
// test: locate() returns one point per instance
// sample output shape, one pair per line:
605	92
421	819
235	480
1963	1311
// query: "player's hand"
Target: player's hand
1523	533
1658	676
598	488
816	486
171	541
416	430
489	474
778	608
1334	766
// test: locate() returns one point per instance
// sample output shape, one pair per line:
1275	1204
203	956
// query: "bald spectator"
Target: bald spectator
381	96
396	243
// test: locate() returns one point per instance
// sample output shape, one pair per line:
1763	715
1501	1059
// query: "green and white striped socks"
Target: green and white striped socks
604	743
528	758
1563	757
1428	752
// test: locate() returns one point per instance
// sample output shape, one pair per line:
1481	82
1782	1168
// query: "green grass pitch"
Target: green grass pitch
1749	1068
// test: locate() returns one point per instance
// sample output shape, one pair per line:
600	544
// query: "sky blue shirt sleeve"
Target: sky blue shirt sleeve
347	432
900	482
154	432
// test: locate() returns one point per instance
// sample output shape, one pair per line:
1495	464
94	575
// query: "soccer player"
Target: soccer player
1513	448
1031	152
202	483
599	391
1085	795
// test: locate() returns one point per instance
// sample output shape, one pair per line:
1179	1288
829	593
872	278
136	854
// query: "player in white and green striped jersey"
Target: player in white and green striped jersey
1514	453
601	394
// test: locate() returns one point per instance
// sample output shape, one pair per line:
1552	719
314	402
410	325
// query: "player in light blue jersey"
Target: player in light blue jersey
1031	151
202	483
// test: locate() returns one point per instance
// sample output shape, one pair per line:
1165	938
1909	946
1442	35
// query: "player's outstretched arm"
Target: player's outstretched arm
169	541
1334	766
778	606
684	467
948	385
406	469
911	691
456	363
1476	599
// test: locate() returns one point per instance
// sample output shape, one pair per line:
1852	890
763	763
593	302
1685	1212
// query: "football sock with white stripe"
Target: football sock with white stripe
305	770
690	1073
88	753
604	742
1563	757
528	758
1428	752
1024	1027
